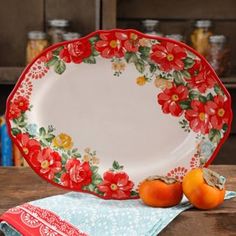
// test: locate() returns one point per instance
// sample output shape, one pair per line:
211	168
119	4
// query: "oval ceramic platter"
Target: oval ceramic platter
102	113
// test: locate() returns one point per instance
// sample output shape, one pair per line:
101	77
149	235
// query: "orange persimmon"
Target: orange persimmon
160	191
204	188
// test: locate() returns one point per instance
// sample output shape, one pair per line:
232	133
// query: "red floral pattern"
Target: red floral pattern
76	52
22	103
169	99
202	81
77	174
195	161
48	162
112	44
14	111
169	56
132	43
218	111
30	147
116	185
32	220
178	173
38	70
199	120
25	89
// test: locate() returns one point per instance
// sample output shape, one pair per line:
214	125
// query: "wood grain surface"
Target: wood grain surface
19	185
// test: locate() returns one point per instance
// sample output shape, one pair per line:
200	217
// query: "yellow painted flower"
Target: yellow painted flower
87	150
118	66
63	141
162	83
95	160
141	80
145	42
86	158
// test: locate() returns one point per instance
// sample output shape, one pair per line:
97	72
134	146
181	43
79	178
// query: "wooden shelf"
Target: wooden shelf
9	75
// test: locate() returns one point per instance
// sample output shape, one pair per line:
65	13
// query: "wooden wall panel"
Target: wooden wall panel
81	13
165	9
109	14
16	19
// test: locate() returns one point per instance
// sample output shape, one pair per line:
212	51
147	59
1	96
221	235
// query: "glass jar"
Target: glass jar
56	29
37	42
200	36
219	54
151	27
177	37
70	36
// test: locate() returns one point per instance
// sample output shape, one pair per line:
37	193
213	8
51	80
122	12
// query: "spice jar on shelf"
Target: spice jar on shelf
200	36
151	27
70	36
37	42
218	54
56	29
177	37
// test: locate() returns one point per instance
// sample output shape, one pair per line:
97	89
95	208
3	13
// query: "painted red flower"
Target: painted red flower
14	111
22	103
111	44
30	147
76	52
199	119
169	99
131	44
218	109
169	56
202	81
77	174
178	173
48	162
195	161
116	185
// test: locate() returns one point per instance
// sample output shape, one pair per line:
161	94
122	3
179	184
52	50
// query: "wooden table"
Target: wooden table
19	185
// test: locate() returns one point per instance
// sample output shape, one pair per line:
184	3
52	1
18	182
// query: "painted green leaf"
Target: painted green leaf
144	52
152	68
90	60
218	90
131	57
214	135
117	166
185	104
59	67
225	127
49	137
209	97
51	62
133	193
42	131
94	169
57	51
93	39
140	66
186	74
15	131
193	94
188	63
202	98
178	78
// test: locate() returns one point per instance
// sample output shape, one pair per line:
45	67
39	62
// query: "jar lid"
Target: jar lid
149	22
36	35
177	37
58	23
217	39
71	35
203	23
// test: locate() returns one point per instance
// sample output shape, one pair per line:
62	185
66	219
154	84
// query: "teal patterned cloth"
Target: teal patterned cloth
96	216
